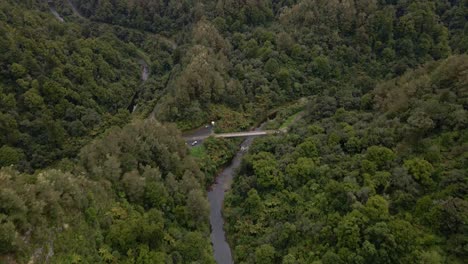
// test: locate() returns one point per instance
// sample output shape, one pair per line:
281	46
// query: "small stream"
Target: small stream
56	14
145	72
74	9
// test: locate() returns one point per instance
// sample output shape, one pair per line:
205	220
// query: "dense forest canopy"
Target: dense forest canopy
373	169
85	73
380	182
134	196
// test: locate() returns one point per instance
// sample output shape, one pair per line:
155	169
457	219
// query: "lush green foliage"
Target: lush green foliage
252	62
383	181
374	173
213	155
137	197
152	15
254	55
58	86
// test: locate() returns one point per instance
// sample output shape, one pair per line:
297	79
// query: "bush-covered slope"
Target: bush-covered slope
255	55
383	181
374	173
137	197
58	86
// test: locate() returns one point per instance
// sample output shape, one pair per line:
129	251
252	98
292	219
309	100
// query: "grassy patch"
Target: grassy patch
198	151
212	154
228	120
289	120
143	56
286	115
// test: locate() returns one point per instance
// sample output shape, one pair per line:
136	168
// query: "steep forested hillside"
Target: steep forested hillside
158	16
135	196
93	168
63	83
260	54
58	85
383	181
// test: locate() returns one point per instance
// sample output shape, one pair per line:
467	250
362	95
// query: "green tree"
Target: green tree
377	208
10	156
301	171
265	168
382	156
420	169
265	254
253	203
7	236
198	206
18	70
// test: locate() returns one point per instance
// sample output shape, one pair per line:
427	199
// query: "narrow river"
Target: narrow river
222	251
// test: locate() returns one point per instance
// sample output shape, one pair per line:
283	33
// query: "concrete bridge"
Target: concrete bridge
233	135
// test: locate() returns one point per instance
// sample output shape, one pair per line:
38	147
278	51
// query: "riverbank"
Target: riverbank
216	195
221	158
